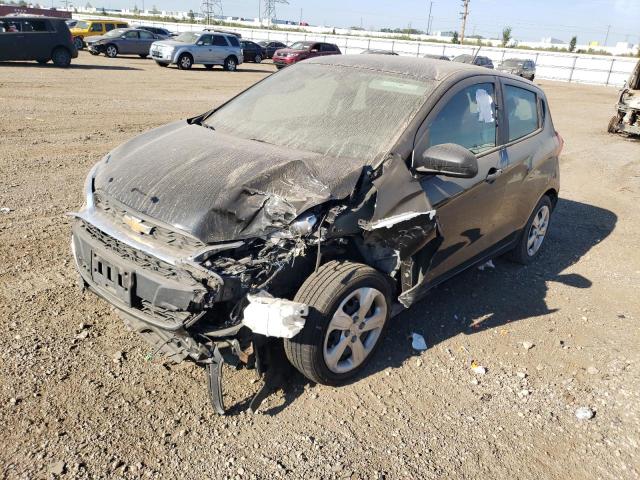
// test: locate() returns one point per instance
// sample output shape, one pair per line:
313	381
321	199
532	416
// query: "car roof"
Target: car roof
421	68
32	17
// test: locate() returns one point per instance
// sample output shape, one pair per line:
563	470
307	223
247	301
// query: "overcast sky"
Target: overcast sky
530	19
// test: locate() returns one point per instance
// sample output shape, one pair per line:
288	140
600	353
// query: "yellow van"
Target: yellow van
91	28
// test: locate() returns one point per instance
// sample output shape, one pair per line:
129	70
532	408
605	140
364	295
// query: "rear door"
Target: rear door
11	40
466	207
146	39
530	147
97	28
221	49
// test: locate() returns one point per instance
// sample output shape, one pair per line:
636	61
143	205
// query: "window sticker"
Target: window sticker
485	106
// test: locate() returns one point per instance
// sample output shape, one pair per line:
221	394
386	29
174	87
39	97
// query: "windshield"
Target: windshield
328	109
513	63
300	46
115	33
463	58
187	37
82	25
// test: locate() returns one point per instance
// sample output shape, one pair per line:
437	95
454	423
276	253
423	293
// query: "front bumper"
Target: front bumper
97	48
281	62
160	301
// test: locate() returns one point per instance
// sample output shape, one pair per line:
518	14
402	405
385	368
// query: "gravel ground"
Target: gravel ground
80	397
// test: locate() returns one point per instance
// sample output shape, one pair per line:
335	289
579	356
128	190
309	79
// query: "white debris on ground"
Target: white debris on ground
487	264
584	413
417	342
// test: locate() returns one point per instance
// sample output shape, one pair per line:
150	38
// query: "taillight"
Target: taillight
560	144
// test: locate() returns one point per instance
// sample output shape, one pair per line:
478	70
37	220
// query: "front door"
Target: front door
203	50
467	208
130	44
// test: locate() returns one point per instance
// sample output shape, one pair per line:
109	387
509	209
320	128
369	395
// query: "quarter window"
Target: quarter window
235	43
522	111
468	119
96	27
109	26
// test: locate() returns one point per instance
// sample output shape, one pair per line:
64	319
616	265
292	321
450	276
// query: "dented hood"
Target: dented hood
217	187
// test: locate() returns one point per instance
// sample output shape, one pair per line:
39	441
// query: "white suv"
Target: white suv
206	48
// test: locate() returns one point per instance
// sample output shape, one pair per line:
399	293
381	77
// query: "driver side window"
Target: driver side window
468	119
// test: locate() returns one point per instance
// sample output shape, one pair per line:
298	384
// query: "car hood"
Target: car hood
98	38
216	187
290	50
171	43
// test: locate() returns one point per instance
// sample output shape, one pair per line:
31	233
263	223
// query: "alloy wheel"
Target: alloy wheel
354	329
538	230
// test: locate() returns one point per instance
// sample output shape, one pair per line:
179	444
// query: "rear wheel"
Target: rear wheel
61	57
258	58
185	62
613	125
348	311
532	77
534	233
230	64
79	43
111	51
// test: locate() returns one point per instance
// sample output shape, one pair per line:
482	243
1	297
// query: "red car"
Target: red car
302	50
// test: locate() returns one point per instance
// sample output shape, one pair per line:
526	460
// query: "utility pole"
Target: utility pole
270	9
429	18
606	39
465	14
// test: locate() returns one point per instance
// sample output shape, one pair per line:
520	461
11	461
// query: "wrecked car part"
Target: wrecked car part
214	381
627	117
274	317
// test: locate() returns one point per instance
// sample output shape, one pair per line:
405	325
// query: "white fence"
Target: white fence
567	67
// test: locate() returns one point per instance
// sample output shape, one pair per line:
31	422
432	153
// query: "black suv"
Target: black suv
36	38
474	60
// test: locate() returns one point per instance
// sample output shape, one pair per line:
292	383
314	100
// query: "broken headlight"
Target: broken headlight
300	227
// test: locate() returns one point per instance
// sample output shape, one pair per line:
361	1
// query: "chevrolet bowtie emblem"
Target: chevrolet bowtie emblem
137	225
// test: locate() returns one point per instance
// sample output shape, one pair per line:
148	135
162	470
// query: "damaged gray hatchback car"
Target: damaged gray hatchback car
296	215
627	117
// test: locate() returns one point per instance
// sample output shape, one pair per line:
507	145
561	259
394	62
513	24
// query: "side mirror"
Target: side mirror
447	159
200	43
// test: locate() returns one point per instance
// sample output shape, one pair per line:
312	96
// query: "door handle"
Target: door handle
493	174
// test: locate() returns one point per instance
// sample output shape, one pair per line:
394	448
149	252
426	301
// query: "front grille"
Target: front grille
124	251
148	308
116	212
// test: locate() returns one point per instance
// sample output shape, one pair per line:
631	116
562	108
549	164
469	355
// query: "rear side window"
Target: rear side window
132	34
219	41
96	27
34	26
522	111
109	26
468	119
234	42
146	35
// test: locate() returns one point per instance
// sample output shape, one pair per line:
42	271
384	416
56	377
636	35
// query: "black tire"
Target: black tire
61	57
323	292
111	51
613	125
160	64
521	253
143	55
78	42
43	61
231	64
532	77
257	58
209	67
185	62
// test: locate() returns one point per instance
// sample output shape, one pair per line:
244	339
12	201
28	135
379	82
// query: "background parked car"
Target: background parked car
474	60
206	48
303	50
437	57
91	28
378	52
160	32
36	38
518	66
123	41
269	48
252	51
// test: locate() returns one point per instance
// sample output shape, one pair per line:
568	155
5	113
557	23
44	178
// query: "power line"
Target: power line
210	9
270	9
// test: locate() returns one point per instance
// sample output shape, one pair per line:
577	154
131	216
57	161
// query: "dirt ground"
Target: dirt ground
80	396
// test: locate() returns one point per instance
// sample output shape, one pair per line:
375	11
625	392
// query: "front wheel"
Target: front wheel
533	234
111	51
79	43
258	59
230	64
185	62
349	306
